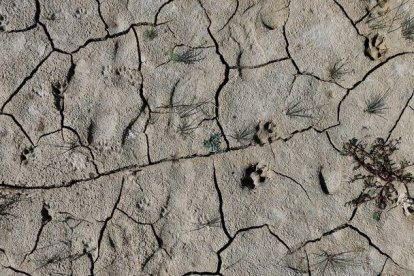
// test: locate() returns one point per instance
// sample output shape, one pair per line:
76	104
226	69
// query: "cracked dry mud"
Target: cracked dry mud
200	137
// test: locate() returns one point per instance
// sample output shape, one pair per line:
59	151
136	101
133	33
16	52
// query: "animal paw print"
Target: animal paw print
131	75
39	90
143	204
24	157
100	146
52	15
77	162
80	12
106	70
255	175
266	133
164	211
120	71
106	147
376	48
4	22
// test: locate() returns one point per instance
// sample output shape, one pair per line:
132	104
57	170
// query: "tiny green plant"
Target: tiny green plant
407	28
376	216
150	34
189	56
376	104
213	143
381	173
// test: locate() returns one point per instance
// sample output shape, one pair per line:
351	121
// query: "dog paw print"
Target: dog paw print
106	147
255	175
51	15
107	71
24	156
77	162
4	22
375	47
80	12
120	71
100	146
143	204
164	211
133	77
266	133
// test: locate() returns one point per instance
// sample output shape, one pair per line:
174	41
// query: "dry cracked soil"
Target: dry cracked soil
202	137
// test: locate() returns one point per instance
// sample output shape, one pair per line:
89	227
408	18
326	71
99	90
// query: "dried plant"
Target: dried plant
8	199
407	28
386	18
150	34
376	104
188	108
189	56
214	222
187	127
244	135
328	263
339	70
381	172
295	109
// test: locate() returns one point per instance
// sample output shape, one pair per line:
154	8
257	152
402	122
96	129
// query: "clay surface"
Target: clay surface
202	137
